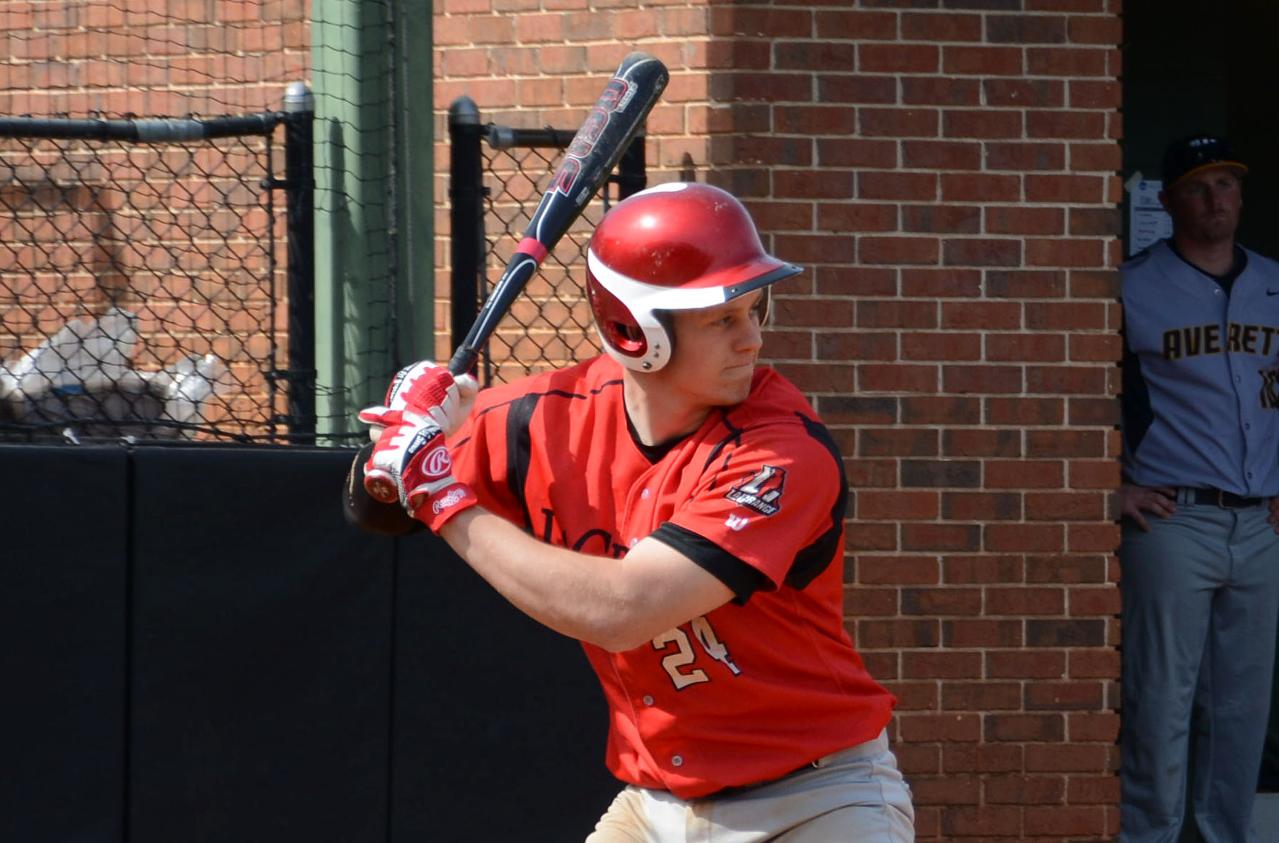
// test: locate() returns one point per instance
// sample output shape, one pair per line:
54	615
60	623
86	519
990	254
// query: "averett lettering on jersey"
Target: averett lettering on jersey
1194	340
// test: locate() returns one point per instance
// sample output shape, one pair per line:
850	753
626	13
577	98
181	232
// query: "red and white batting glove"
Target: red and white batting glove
411	463
427	390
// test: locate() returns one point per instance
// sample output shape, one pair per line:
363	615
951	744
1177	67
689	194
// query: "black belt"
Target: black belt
1226	500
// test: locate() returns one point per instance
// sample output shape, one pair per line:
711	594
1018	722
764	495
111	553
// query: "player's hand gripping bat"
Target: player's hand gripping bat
614	120
608	129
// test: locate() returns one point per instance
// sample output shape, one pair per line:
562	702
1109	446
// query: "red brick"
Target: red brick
880	602
1081	538
982	758
983	61
897	122
940	537
1095	30
1066	380
899	570
861	345
1023	727
946	791
1066	316
946	218
1093	600
815	120
865	25
1027	93
934	409
1024	790
813	55
1105	157
1064	696
813	184
898	58
1093	726
1063	569
948	728
1065	443
896	314
1025	284
1094	664
898	250
1087	758
853	217
986	821
940	283
982	124
850	152
940	90
760	21
1024	411
1024	474
947	346
1031	538
1026	156
945	27
907	186
980	187
1067	189
941	155
982	442
982	379
897	634
873	442
1025	664
1065	124
844	87
981	506
1024	219
1106	94
984	633
931	602
1066	61
1065	506
951	664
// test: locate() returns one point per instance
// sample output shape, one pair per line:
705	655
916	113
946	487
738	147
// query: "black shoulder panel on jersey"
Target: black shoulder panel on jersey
741	579
815	558
1135	408
519	449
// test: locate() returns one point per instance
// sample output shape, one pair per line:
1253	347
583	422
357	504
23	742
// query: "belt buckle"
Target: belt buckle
1221	499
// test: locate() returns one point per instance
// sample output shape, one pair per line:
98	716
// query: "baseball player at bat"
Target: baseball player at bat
679	509
1199	554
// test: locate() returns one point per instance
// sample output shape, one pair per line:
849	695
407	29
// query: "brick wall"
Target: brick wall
946	171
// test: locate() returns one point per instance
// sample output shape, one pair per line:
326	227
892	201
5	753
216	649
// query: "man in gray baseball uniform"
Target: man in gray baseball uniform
1200	555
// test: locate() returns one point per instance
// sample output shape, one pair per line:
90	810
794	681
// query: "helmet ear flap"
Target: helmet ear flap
616	324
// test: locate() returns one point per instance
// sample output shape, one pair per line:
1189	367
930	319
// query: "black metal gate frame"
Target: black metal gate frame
299	188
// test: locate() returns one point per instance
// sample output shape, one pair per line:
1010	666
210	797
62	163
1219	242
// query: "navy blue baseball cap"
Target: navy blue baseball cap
1198	152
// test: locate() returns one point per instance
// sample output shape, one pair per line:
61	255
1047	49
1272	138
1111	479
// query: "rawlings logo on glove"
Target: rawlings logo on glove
410	461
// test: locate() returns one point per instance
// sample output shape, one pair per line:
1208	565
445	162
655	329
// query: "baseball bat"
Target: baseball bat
603	136
612	123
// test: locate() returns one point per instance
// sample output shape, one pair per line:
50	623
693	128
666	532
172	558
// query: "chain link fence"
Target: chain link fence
498	176
143	280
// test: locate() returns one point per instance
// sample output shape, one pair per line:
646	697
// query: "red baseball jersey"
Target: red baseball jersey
756	688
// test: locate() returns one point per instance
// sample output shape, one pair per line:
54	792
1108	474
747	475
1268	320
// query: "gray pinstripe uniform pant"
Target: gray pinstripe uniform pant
1200	601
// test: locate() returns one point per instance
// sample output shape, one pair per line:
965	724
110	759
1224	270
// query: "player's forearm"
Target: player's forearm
617	604
581	596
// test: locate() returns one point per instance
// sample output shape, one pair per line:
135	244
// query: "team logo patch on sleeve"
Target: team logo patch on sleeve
763	492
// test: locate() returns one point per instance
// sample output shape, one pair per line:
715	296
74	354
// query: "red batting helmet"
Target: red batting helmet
676	246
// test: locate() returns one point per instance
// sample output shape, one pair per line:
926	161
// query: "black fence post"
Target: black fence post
299	178
632	170
466	215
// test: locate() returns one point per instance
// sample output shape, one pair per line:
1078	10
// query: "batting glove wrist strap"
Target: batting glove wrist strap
411	464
